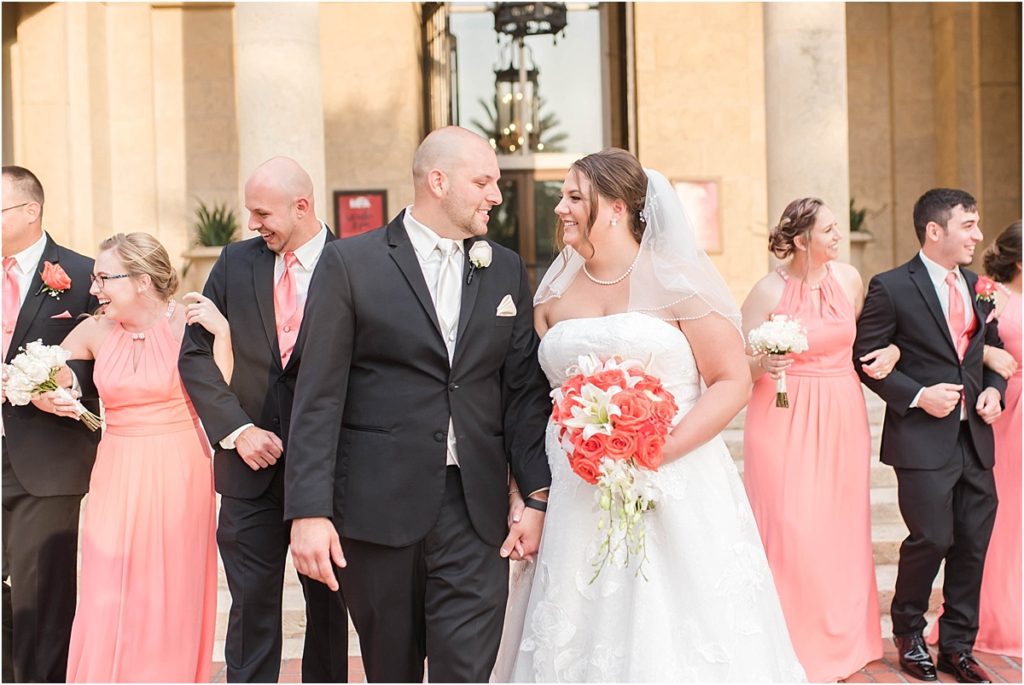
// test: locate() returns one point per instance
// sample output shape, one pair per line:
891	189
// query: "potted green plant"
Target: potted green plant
214	227
859	235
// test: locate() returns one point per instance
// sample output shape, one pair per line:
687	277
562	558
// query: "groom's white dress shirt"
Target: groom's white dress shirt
427	246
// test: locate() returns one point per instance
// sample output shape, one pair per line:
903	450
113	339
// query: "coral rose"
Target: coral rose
585	466
606	379
593	448
649	451
635	408
620	445
664	411
54	277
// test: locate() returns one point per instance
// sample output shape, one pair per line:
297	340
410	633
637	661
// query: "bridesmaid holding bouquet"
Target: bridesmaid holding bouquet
807	465
148	592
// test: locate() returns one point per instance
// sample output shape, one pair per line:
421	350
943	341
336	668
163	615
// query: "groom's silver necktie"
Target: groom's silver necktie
448	295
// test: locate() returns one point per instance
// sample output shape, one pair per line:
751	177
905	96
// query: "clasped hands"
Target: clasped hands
316	547
941	399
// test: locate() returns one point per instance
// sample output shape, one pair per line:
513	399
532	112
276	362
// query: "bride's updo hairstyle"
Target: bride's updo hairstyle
614	174
143	255
797	220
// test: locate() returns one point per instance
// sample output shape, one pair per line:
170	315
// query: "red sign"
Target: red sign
359	211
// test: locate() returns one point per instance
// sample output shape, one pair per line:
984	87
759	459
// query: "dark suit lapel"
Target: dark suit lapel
263	282
980	315
405	257
33	299
293	356
919	275
469	293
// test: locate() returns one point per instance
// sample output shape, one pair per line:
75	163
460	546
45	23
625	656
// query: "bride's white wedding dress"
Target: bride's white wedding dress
708	611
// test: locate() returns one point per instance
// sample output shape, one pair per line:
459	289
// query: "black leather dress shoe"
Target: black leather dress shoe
964	666
914	657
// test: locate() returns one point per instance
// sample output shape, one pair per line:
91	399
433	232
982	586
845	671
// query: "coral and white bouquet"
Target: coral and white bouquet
780	334
613	420
34	372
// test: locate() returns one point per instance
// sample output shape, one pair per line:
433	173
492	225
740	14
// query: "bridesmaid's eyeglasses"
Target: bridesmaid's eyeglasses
100	280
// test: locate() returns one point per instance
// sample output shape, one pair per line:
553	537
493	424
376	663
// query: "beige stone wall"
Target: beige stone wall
372	91
1000	86
701	114
211	127
934	100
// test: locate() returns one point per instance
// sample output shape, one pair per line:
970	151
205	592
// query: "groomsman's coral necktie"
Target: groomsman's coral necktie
957	326
11	301
286	308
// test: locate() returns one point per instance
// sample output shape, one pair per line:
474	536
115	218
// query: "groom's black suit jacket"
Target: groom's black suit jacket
903	308
367	445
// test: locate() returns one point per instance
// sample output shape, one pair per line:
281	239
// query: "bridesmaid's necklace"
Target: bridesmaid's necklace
614	280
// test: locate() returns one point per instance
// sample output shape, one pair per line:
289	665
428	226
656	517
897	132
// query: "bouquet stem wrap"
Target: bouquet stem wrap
781	396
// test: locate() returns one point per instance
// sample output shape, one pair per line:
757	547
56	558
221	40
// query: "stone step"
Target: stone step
885	505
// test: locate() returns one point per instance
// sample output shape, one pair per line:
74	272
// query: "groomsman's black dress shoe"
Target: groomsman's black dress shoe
964	666
914	658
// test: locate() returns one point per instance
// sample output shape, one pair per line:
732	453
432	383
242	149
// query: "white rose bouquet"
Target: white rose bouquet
34	372
779	335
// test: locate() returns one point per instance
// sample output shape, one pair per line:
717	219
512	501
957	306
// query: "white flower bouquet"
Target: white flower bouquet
779	335
34	372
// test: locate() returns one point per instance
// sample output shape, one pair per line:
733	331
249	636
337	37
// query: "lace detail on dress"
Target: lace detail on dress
708	612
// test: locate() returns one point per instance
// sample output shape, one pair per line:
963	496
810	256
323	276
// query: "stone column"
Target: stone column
278	89
806	119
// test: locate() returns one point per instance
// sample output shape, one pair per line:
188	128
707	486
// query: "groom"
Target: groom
937	435
419	388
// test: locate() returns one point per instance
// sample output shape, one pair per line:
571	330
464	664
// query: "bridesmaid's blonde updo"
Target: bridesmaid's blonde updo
143	255
797	220
614	174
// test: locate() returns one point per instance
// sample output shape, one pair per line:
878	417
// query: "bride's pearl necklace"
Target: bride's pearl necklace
614	280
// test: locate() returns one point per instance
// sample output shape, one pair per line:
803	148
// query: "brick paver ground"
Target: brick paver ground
886	670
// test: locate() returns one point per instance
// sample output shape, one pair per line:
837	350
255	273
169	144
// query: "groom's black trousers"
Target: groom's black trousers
949	512
442	599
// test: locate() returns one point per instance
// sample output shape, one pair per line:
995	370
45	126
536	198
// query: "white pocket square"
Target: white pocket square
506	307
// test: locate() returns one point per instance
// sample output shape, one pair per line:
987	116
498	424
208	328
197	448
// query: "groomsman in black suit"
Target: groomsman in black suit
419	389
260	285
47	459
940	404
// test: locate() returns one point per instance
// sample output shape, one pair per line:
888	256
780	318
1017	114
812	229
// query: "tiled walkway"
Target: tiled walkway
886	670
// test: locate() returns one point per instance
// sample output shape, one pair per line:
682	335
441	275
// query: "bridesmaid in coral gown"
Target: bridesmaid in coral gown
999	610
148	589
807	467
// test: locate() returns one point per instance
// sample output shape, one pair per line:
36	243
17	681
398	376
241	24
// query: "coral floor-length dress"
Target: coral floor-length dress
148	591
807	474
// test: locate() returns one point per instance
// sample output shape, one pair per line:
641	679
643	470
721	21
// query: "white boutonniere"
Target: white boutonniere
479	258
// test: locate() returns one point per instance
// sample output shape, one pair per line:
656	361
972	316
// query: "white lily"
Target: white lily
595	410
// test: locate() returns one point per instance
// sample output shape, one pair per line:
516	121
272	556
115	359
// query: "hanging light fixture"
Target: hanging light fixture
517	101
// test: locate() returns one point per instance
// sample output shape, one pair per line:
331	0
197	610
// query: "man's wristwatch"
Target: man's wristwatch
534	503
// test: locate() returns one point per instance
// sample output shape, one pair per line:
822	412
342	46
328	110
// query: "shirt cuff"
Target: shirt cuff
917	398
539	491
228	443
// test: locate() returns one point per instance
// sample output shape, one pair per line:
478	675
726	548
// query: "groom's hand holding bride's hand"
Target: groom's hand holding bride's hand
315	545
524	533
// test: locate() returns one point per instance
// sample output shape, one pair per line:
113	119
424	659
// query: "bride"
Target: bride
632	282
